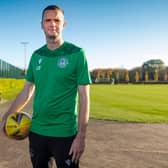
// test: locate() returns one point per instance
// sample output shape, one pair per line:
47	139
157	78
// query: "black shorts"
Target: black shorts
42	148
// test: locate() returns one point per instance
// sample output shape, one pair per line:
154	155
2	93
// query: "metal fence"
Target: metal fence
10	71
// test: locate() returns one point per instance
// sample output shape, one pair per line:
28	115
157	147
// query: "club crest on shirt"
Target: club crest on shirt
62	62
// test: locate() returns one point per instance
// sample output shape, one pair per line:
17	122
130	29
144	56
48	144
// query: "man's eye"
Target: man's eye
56	20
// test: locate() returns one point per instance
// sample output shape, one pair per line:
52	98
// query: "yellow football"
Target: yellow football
17	125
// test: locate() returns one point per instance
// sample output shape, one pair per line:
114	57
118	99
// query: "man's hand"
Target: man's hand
77	148
3	122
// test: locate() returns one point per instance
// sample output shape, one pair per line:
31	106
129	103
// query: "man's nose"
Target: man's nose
53	23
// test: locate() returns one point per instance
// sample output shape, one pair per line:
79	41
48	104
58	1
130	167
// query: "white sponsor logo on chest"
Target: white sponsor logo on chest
38	67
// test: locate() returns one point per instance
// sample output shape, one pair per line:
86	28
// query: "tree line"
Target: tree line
151	71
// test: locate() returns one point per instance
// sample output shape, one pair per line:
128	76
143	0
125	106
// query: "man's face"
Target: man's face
53	23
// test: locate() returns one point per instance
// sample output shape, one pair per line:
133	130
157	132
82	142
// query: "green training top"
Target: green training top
57	75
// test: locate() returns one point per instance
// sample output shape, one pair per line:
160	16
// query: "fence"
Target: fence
10	71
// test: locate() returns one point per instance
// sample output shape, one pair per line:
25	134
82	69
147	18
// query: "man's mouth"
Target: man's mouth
52	30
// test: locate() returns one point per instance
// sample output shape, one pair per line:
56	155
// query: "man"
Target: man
57	75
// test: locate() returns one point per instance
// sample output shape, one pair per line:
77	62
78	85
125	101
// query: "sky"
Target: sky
114	33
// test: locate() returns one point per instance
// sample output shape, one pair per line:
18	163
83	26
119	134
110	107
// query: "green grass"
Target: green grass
130	103
124	103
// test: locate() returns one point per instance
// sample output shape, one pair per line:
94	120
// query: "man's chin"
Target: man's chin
52	37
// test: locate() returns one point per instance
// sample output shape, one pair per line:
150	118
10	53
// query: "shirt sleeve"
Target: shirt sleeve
29	74
83	74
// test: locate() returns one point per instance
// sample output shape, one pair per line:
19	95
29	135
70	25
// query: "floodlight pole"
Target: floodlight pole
24	43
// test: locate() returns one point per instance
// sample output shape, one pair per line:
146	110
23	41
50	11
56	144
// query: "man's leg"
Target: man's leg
60	148
38	150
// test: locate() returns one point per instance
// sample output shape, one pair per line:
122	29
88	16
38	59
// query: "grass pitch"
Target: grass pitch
9	88
130	103
124	103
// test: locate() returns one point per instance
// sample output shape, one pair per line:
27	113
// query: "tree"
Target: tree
127	76
156	76
136	76
165	76
146	76
153	66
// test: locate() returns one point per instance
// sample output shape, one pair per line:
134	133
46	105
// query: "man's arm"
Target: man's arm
20	101
78	144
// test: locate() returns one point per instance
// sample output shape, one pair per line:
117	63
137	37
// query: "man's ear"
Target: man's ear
64	25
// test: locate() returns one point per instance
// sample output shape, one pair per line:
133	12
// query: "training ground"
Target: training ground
108	145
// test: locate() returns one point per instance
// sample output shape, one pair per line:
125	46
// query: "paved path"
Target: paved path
109	145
